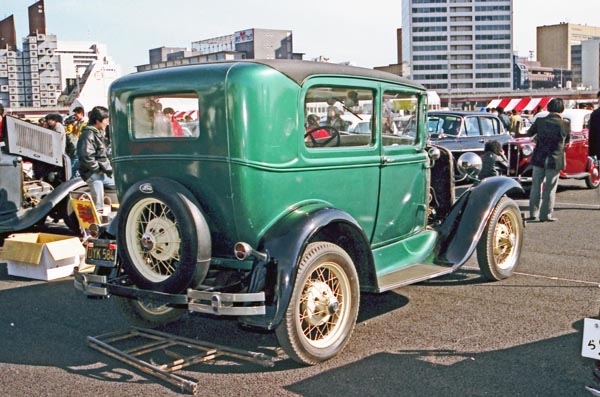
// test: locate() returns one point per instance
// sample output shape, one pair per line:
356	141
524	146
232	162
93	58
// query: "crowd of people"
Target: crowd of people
551	134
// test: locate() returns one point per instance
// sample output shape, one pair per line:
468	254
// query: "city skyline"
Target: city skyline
341	31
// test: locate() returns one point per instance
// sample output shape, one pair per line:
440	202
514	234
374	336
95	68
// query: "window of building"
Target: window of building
461	47
430	57
492	37
458	76
492	66
461	66
492	46
165	116
429	19
492	17
463	37
443	76
462	18
430	67
493	85
461	57
461	9
492	27
462	86
428	10
493	56
429	38
418	48
491	8
419	29
461	28
492	75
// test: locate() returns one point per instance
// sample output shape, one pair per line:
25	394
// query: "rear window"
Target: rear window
166	116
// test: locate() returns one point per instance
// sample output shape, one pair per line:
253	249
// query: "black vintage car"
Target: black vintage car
462	132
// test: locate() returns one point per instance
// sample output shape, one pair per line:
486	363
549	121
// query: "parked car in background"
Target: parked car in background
578	166
249	218
462	132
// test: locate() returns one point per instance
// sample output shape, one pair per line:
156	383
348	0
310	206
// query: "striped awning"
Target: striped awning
520	104
191	113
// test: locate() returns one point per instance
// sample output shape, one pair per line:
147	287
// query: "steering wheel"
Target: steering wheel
333	134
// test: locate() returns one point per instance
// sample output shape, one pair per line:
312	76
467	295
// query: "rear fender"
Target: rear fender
461	230
285	242
28	217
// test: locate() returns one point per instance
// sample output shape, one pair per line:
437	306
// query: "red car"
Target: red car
579	164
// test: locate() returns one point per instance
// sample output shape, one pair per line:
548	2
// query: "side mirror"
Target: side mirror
469	164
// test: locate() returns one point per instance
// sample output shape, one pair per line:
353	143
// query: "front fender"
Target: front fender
285	242
461	230
28	217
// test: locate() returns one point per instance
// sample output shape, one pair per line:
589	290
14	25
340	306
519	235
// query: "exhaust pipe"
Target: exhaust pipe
243	251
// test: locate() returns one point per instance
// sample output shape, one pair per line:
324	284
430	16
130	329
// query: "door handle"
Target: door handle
387	160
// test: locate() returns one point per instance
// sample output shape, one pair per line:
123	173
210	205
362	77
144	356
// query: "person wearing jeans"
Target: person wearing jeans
551	134
94	166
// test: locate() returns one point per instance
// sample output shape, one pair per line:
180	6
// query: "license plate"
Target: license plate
101	252
590	346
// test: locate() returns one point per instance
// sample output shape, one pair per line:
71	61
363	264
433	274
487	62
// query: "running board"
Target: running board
410	275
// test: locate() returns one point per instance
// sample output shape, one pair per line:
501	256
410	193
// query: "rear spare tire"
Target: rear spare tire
163	237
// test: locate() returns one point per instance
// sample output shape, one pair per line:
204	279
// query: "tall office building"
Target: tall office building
459	46
559	46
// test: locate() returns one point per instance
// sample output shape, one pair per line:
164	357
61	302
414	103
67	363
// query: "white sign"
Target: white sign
590	345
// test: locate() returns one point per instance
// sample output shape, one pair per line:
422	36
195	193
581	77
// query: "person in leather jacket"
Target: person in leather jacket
94	165
551	134
493	161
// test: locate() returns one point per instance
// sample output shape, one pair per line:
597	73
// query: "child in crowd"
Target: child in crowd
494	162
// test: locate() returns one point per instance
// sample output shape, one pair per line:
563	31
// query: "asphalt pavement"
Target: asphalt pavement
453	336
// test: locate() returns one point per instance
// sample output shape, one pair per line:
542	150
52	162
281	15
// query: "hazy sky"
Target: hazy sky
360	31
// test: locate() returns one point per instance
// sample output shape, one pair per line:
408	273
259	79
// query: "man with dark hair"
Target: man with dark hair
493	161
594	133
54	121
550	133
503	118
94	166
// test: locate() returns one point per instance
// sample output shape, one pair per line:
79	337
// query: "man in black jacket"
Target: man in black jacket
550	133
594	132
94	166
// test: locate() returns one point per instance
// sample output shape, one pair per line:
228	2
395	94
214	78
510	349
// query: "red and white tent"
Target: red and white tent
182	115
519	104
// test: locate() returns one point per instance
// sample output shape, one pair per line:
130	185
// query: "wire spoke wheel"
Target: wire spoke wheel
499	248
163	238
156	242
323	307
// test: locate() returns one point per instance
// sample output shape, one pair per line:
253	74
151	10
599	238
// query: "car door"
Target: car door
472	141
404	176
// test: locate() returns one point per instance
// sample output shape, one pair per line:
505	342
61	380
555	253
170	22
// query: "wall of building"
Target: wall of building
590	65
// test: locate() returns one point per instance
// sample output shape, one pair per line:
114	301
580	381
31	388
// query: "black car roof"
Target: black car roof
301	70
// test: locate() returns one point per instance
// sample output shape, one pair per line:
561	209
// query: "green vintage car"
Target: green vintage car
243	191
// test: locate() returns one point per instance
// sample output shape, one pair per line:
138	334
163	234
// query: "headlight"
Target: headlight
527	149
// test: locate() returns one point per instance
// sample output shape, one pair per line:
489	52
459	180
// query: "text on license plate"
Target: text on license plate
590	346
101	252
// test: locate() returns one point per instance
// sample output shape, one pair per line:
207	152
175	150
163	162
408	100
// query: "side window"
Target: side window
472	126
338	117
586	121
489	126
399	118
165	116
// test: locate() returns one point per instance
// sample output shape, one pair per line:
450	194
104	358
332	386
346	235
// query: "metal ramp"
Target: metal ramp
184	352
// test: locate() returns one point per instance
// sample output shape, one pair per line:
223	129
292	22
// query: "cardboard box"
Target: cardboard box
41	256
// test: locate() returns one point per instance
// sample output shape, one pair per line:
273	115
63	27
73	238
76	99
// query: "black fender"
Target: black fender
285	242
25	218
461	230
